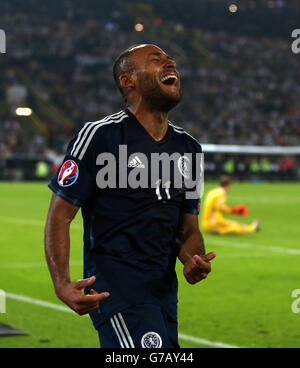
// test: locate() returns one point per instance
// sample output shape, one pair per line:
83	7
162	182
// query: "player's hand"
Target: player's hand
71	293
198	267
241	210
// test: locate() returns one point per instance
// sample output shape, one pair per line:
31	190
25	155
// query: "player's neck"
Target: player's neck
155	122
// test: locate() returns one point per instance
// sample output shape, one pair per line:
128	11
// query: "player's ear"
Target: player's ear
127	80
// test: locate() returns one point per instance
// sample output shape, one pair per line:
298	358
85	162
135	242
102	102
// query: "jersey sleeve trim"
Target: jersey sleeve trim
88	131
75	201
193	211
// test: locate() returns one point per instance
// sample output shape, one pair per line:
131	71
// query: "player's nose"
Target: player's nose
170	64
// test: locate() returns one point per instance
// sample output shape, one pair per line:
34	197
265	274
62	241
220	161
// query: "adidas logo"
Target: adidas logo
136	162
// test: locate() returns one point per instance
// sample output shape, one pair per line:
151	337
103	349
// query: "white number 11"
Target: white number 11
165	186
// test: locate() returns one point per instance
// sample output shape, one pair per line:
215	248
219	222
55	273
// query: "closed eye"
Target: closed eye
155	60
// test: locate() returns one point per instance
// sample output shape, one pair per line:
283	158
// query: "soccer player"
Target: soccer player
214	207
132	236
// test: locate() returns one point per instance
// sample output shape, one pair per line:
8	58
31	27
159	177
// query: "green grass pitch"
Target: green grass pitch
246	300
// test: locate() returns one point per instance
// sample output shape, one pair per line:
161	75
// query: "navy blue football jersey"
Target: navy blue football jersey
129	230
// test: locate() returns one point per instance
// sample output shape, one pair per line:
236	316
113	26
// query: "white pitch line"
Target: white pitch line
38	302
247	255
61	308
214	344
269	248
80	263
75	226
292	202
280	250
266	200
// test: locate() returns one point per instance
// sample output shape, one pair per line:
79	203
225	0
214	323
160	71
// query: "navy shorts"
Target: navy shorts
141	326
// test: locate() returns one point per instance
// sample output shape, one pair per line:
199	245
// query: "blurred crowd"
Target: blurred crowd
237	89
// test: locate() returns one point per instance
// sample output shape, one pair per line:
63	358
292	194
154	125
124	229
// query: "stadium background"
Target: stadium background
241	89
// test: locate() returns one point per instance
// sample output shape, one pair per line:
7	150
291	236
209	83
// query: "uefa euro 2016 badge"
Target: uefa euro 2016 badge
151	340
68	174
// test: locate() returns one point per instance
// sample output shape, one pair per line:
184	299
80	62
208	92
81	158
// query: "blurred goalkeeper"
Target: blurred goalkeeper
214	207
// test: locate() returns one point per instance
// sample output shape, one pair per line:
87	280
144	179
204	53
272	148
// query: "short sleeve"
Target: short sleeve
192	206
75	180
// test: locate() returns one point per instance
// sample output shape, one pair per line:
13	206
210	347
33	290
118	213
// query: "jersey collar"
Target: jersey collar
144	132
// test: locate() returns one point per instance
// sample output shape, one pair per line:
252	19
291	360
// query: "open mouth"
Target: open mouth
170	79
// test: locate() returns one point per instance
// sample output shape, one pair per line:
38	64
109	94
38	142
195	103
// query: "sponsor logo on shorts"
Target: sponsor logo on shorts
151	340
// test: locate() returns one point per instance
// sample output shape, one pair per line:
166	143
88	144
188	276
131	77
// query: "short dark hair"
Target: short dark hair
122	64
225	180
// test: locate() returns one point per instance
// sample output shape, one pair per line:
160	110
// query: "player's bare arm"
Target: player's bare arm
57	250
192	252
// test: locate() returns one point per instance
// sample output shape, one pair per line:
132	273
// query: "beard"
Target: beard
156	97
